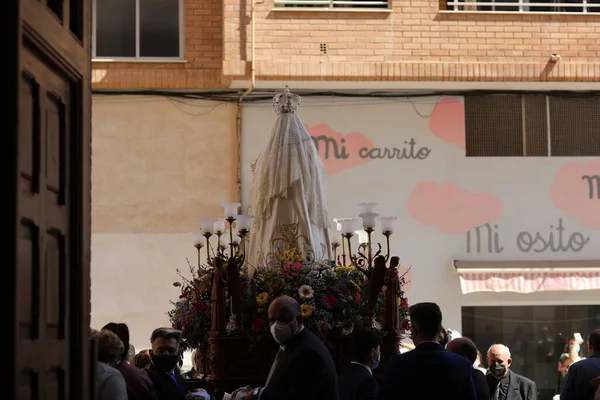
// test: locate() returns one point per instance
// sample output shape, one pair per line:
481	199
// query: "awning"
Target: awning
527	276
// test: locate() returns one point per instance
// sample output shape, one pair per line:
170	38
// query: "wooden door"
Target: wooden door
49	174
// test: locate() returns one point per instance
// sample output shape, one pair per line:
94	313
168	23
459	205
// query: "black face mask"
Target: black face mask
165	362
498	370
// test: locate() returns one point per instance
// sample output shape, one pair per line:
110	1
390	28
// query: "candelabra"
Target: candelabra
231	240
365	255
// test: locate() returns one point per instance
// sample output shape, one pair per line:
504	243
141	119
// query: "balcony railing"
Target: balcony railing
523	6
332	5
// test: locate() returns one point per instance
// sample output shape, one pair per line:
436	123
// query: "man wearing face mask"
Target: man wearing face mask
357	382
168	384
429	372
303	368
502	382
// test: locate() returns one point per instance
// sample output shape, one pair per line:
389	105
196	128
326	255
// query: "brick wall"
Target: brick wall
414	42
203	53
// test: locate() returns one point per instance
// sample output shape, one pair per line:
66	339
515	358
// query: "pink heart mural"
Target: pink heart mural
576	191
448	121
339	152
452	209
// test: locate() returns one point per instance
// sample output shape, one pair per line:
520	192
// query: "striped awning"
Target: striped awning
527	276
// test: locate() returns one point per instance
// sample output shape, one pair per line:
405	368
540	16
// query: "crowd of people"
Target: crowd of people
439	367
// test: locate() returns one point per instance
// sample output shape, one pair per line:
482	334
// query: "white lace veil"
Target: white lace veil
289	156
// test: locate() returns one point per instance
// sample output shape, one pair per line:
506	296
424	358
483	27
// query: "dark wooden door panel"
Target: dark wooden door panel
51	296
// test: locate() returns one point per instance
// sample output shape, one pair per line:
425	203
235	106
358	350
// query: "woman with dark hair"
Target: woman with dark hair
110	384
139	385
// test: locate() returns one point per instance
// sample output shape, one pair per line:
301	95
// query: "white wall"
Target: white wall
440	198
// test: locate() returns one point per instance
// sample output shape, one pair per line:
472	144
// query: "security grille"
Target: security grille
340	5
524	6
532	126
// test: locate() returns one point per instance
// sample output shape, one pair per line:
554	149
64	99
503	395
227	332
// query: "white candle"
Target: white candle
244	222
347	225
387	223
224	240
220	225
236	238
368	219
338	222
367	207
230	209
199	240
363	238
207	225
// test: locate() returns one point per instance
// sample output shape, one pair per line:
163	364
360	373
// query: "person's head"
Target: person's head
197	358
425	321
142	360
573	347
463	347
122	331
285	318
131	353
443	337
110	348
594	341
365	347
165	348
478	359
499	361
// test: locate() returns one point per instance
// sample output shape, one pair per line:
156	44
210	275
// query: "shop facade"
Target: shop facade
498	204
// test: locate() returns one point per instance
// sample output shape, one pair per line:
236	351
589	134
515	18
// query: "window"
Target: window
137	29
532	125
319	5
536	336
520	6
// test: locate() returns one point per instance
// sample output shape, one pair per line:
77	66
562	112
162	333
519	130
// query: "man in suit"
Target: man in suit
357	382
303	368
168	384
466	348
500	379
428	372
583	374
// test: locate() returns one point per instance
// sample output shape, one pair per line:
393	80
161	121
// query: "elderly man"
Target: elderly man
582	374
502	382
303	368
466	348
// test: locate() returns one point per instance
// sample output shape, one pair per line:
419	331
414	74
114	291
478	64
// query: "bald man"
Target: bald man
502	382
303	368
465	347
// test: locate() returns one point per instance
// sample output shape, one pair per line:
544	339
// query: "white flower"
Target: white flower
329	273
306	292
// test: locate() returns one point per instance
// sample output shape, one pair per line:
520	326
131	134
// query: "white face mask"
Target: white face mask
282	332
476	364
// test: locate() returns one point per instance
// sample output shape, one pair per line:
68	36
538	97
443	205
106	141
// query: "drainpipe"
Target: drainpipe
246	93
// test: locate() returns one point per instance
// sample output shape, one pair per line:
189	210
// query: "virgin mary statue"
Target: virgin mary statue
288	194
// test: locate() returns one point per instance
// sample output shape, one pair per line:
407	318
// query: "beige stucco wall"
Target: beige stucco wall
158	164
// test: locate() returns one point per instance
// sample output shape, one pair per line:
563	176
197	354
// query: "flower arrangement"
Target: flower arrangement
333	300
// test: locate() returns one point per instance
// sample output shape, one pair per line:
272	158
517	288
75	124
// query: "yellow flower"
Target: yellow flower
261	299
355	285
291	255
306	310
345	269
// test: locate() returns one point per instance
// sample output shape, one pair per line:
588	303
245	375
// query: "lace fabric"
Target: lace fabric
290	156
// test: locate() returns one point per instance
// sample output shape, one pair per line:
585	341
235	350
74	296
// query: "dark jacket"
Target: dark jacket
428	372
305	371
139	385
512	387
481	387
167	386
357	383
579	382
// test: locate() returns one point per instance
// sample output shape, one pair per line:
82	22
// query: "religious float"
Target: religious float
244	262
